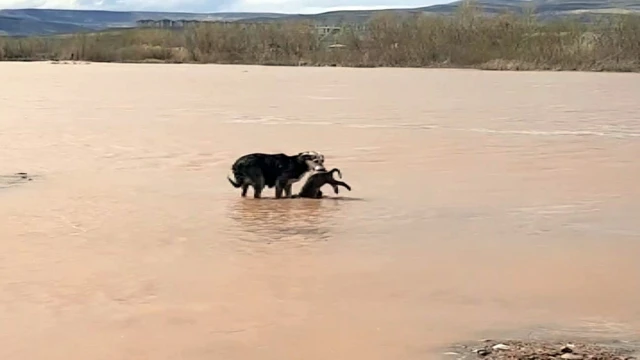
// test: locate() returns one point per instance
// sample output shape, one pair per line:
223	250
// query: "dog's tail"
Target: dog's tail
236	184
335	170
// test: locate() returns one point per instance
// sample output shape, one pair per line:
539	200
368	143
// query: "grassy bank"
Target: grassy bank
468	39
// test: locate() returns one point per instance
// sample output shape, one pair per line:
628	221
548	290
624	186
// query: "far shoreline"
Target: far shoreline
434	67
465	40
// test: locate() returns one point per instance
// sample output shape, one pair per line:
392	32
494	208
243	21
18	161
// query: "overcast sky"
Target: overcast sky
286	6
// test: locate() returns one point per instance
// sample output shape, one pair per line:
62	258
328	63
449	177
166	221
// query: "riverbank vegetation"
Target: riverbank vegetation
468	39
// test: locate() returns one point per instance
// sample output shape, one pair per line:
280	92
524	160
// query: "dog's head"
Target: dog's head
313	159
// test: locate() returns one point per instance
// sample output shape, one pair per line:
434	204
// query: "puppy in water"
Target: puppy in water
311	188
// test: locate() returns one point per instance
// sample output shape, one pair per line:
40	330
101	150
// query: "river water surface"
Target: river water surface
481	201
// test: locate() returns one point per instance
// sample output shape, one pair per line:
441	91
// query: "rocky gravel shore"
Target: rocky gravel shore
541	350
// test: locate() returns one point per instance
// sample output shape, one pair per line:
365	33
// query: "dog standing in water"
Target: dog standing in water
280	170
311	188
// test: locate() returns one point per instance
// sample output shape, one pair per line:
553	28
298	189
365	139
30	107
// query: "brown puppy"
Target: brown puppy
311	188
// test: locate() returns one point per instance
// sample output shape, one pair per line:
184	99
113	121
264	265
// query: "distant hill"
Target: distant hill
23	22
544	9
10	25
47	21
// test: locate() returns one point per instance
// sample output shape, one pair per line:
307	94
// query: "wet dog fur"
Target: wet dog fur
280	170
311	188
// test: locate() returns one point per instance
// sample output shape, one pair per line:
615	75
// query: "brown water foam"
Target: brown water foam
480	201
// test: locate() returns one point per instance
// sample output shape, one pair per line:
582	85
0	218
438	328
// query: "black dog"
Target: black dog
311	188
279	170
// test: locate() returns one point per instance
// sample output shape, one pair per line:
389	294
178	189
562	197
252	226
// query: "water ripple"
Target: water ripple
606	132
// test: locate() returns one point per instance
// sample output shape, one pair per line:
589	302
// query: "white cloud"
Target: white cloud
282	6
151	5
13	4
316	6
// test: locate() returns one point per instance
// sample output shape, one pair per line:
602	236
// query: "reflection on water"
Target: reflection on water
509	204
290	220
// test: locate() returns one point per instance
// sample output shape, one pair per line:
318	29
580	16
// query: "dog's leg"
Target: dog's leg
281	184
287	190
245	187
345	185
335	189
319	194
336	170
258	187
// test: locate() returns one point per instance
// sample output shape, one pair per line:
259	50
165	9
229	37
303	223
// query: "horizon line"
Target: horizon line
328	10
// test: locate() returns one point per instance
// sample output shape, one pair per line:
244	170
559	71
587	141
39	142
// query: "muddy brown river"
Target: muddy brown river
481	202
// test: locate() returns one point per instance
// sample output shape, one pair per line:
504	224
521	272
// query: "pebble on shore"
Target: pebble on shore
542	350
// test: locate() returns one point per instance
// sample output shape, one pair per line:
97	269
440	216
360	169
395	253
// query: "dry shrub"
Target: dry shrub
502	64
466	39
